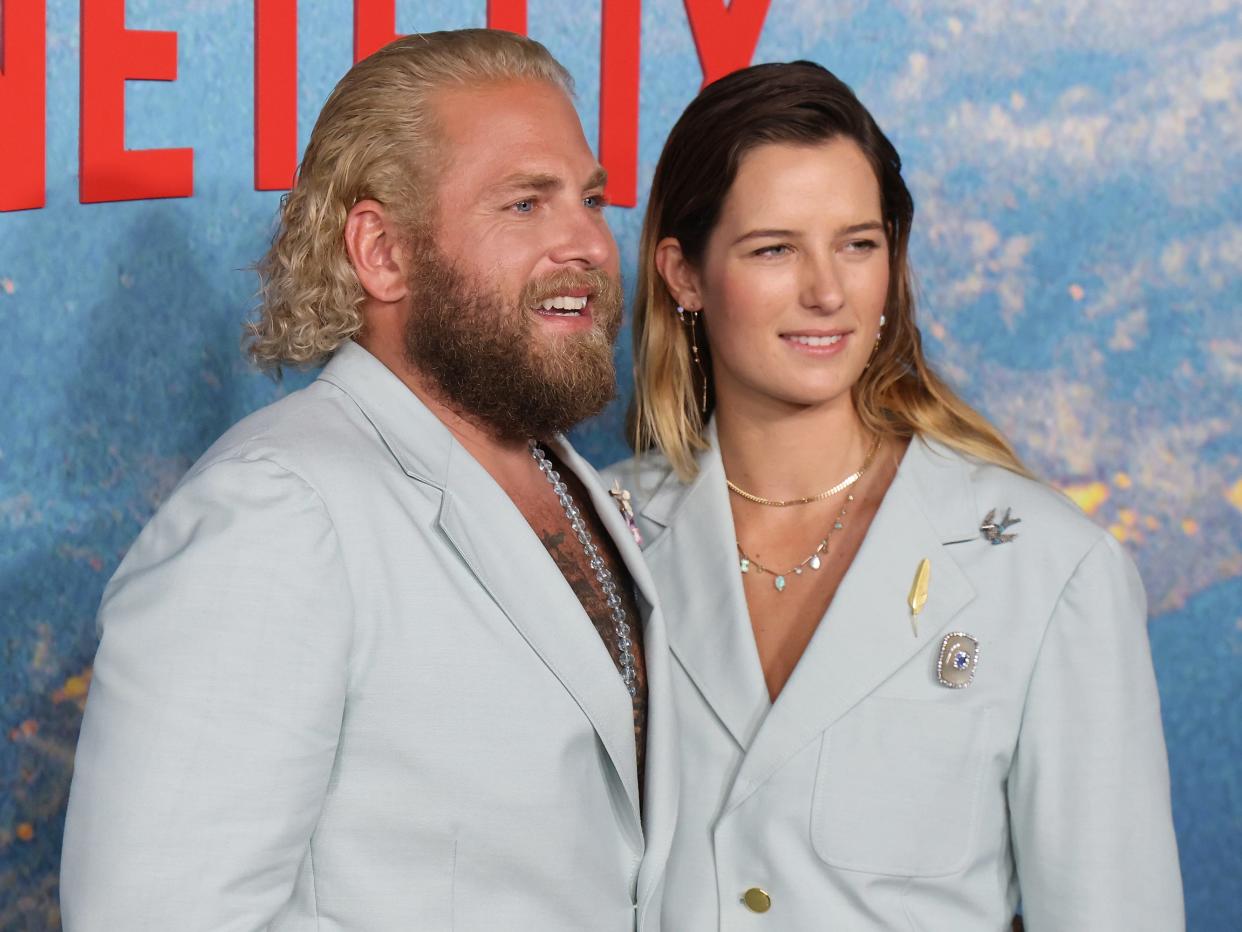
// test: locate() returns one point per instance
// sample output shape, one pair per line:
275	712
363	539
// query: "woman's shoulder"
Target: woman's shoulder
1036	509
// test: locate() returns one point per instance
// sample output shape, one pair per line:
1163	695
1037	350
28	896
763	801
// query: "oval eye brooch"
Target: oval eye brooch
959	655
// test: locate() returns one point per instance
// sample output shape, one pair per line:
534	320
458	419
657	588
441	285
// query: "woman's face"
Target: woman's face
794	277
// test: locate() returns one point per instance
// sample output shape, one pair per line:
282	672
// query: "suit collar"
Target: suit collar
863	639
418	440
939	480
694	560
495	541
866	635
663	759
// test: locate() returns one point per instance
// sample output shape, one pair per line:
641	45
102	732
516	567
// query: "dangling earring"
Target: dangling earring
690	319
879	335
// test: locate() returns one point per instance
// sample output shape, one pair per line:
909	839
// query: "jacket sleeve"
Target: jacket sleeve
1091	820
214	710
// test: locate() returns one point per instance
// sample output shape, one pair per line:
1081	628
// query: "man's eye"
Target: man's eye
595	201
779	249
524	207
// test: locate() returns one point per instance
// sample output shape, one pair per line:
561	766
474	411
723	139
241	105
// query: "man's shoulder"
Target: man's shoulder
304	432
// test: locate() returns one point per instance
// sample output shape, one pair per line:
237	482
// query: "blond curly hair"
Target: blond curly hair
375	139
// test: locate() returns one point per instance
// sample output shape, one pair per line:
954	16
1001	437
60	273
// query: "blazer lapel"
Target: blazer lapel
867	635
660	797
497	543
694	562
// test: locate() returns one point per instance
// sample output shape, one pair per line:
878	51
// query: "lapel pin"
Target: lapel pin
993	532
959	655
622	498
918	593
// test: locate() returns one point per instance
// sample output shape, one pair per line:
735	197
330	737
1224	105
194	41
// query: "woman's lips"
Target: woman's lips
816	343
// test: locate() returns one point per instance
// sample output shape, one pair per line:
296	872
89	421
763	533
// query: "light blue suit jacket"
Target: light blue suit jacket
869	796
342	686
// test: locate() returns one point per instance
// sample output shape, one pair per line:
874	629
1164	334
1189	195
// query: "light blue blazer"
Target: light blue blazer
342	687
871	797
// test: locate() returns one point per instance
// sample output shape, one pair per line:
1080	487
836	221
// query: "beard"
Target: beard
488	359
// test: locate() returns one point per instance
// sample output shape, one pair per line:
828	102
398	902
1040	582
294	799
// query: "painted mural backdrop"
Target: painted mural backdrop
1078	242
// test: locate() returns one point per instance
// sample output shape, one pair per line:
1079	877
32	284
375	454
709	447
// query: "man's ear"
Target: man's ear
377	252
680	277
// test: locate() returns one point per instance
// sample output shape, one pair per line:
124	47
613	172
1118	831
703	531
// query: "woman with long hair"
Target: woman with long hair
914	683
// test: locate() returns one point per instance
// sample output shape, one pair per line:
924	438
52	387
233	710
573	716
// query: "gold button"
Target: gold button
756	900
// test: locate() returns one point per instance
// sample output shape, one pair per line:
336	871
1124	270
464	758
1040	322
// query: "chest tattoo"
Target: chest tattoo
565	549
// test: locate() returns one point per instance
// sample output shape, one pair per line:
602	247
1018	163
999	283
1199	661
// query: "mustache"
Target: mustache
604	288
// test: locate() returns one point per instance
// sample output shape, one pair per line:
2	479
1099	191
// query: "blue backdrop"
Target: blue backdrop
1077	239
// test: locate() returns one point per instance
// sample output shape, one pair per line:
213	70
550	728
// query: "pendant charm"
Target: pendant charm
959	655
814	560
993	532
918	593
622	498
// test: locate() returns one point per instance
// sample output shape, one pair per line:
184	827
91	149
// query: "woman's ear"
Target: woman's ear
377	252
680	277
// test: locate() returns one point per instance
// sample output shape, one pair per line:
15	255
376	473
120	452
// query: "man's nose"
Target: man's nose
584	239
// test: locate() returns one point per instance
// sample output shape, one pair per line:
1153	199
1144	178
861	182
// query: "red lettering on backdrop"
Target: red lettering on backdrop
23	104
725	36
375	25
375	22
618	98
275	94
112	54
507	14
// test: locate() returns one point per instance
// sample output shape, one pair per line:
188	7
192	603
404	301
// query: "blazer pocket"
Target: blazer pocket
897	788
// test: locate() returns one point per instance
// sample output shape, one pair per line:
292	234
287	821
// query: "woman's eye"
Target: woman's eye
863	245
778	250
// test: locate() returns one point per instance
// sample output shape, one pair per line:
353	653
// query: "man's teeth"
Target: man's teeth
816	341
563	305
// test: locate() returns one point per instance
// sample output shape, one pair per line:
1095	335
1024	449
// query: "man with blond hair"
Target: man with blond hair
387	658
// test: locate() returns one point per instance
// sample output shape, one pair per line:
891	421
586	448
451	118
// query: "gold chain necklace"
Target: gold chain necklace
746	563
827	493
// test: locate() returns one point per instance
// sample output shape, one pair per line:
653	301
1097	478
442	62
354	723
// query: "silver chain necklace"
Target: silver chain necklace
611	595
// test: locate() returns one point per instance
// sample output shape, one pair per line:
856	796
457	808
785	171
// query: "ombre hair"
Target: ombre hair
375	139
800	103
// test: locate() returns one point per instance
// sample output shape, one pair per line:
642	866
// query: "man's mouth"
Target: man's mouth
562	306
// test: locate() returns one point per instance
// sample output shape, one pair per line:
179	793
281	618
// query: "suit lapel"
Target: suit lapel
866	635
499	547
662	778
497	544
694	562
